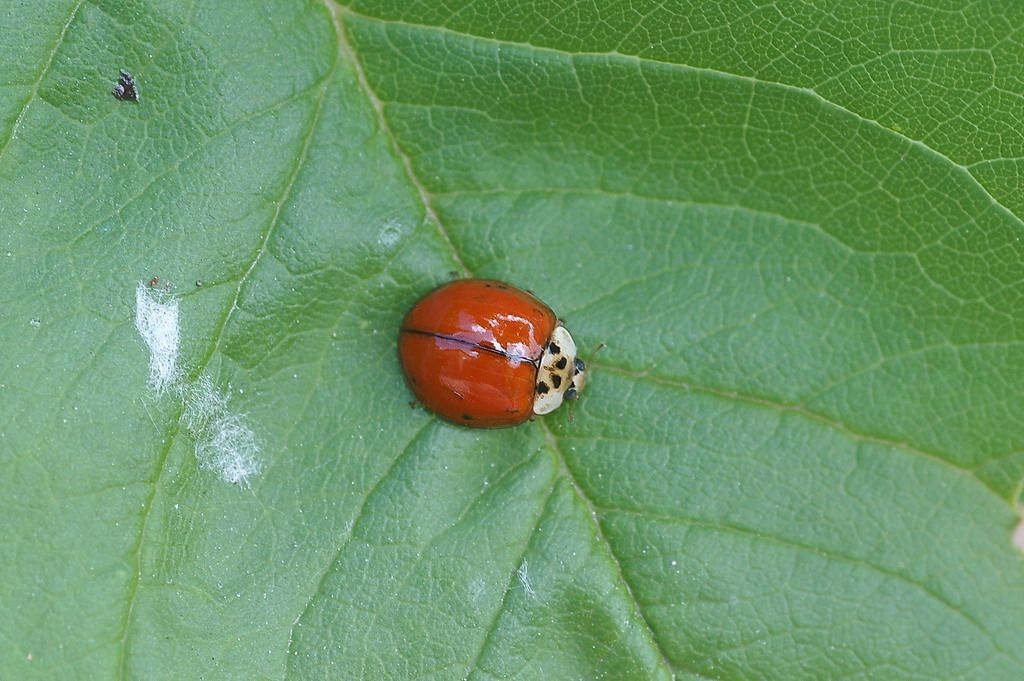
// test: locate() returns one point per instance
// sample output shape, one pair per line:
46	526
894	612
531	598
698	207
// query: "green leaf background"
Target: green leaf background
797	227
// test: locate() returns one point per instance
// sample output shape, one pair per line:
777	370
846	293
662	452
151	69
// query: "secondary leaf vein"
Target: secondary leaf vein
218	337
34	92
789	543
329	565
806	91
803	411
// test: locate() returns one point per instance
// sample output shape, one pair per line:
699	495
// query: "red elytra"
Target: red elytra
485	354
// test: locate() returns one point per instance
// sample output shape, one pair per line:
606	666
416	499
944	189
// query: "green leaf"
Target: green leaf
796	227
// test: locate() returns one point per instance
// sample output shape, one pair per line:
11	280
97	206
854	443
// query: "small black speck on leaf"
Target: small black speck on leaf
126	90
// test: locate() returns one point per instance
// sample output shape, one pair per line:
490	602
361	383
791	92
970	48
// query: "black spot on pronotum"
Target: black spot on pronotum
557	381
542	388
579	365
553	347
560	364
126	90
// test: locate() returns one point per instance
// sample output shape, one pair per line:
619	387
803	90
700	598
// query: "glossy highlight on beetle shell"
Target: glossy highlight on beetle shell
471	350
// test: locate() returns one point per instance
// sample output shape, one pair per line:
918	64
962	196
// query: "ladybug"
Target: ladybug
485	354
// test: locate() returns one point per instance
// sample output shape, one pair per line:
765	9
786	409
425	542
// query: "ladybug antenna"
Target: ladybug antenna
582	365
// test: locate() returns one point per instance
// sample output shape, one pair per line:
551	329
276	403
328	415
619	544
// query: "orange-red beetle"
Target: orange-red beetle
485	354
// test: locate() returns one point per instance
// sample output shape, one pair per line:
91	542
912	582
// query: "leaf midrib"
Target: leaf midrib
427	201
427	198
594	514
345	47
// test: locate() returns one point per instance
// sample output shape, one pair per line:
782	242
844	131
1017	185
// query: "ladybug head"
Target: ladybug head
579	380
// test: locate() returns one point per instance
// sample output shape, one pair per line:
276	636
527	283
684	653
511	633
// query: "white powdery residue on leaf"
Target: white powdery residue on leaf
1018	535
523	575
158	324
224	441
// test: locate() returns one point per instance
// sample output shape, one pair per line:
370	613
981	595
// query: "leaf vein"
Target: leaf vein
378	106
786	542
218	337
809	414
570	476
34	92
753	80
329	564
